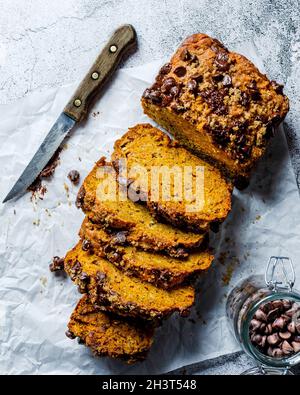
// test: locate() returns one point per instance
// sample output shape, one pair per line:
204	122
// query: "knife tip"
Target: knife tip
6	199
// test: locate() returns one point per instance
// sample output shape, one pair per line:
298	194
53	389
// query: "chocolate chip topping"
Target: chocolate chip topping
84	277
175	91
86	245
222	61
153	95
119	238
178	108
100	277
180	71
197	77
165	69
192	86
245	99
277	87
215	97
194	60
74	176
168	83
185	55
227	80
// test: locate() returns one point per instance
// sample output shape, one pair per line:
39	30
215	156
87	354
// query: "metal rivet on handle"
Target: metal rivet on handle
77	102
95	75
113	48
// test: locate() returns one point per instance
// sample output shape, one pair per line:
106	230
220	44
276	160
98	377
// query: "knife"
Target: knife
121	43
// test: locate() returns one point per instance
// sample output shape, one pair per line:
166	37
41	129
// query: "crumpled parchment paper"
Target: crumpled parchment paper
35	305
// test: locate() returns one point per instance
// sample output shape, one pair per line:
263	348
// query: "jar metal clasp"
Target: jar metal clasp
280	273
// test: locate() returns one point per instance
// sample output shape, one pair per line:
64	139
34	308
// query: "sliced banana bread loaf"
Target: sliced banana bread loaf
217	104
109	335
175	179
112	290
143	230
161	270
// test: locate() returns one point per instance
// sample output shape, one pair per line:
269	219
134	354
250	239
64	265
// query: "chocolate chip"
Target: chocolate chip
227	80
57	264
181	253
279	323
192	86
256	338
286	348
277	87
74	176
221	137
119	238
185	55
273	314
77	266
277	353
70	334
255	95
175	91
86	245
285	335
296	346
114	257
165	69
153	95
168	83
218	77
222	61
100	276
292	327
84	277
263	327
197	77
194	60
80	197
287	304
244	100
255	324
252	85
217	46
273	339
176	107
260	315
215	97
166	100
180	71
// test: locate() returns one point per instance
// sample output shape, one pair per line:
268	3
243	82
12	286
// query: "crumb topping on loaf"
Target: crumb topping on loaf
222	93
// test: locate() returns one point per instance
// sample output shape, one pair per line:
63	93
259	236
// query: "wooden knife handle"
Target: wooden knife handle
122	41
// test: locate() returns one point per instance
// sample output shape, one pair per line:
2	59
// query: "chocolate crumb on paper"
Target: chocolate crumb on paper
74	177
37	189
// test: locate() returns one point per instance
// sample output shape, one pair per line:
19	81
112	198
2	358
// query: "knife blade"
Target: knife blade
121	43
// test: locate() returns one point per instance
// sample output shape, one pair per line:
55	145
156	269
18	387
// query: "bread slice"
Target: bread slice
112	290
109	335
217	104
142	230
161	270
148	147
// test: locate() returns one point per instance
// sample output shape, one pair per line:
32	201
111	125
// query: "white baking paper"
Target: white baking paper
35	305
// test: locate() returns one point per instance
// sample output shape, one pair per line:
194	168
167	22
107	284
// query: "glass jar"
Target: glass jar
248	296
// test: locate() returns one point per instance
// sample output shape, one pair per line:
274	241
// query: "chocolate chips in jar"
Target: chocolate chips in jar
275	328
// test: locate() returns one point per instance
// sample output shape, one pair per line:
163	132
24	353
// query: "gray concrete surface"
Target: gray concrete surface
50	43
